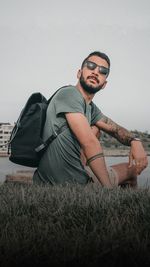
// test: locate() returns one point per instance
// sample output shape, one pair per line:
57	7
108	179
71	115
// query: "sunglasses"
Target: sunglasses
92	66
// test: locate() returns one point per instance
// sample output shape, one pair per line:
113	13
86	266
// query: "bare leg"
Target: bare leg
126	175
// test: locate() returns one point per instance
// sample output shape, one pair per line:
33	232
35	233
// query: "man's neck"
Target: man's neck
88	97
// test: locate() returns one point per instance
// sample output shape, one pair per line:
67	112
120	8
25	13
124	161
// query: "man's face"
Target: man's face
92	80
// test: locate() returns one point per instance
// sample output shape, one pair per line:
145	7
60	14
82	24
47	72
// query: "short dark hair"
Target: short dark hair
98	54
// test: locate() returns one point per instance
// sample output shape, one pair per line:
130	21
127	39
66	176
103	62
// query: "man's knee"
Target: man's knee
125	173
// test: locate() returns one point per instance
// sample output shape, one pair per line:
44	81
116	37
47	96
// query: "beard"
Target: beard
89	88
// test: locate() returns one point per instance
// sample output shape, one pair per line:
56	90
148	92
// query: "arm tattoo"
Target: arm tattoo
121	134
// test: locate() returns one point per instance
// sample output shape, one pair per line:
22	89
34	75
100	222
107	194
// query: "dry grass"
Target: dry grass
73	225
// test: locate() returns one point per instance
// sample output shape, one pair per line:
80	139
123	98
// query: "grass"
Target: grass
74	226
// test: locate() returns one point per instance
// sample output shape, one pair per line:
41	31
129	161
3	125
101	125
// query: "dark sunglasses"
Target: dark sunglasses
92	66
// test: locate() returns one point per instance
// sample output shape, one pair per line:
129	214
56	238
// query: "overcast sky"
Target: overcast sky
43	42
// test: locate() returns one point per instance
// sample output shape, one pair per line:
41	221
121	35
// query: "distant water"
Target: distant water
7	167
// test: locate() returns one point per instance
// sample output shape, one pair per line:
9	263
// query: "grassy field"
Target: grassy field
73	226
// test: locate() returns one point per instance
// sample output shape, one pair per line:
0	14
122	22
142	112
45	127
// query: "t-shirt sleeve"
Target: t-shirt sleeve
69	99
96	114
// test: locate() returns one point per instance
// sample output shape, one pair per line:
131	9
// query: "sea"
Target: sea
7	167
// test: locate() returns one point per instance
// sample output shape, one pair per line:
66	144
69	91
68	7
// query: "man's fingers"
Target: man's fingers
141	164
130	160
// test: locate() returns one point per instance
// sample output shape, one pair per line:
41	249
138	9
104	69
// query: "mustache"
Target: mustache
93	77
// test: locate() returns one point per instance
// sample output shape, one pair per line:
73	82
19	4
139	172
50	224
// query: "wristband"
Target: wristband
95	157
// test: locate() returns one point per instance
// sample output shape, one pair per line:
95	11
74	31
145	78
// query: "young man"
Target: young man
76	154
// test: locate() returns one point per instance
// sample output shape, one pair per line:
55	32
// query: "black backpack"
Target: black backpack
26	146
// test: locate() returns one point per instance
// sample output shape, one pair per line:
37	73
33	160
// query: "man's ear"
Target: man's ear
79	74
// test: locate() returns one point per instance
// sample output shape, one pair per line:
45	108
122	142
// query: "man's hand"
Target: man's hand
138	156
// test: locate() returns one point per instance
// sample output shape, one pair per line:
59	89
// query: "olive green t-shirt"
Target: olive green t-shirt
61	162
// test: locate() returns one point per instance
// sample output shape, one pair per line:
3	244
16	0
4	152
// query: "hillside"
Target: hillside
113	147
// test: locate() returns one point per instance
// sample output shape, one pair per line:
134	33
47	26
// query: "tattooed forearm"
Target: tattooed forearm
121	134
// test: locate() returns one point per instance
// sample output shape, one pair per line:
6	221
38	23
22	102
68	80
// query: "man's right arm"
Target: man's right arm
90	145
137	152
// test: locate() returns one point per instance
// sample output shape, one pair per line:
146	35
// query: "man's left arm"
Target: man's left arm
137	155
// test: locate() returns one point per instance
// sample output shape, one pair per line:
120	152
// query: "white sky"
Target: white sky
43	42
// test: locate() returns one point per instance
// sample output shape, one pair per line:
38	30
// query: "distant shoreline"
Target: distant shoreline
115	152
118	153
107	153
3	155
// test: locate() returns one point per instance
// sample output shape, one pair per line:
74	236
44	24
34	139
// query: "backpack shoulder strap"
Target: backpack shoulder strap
52	137
49	100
